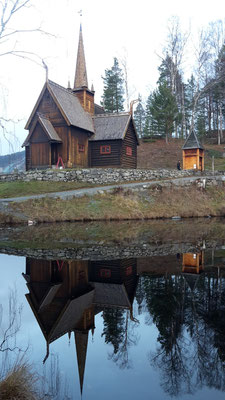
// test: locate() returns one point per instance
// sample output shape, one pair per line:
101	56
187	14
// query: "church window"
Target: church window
105	149
105	273
129	151
81	148
129	270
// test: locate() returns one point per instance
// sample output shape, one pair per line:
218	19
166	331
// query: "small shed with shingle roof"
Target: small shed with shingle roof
193	153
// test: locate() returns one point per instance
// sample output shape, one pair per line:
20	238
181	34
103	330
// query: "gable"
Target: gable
131	133
49	108
45	105
42	131
60	105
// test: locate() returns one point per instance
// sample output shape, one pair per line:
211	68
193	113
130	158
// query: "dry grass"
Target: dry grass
19	384
153	203
161	155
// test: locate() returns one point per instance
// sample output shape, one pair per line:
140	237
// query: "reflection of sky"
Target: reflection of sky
103	378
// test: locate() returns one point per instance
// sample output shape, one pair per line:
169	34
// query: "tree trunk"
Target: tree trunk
221	124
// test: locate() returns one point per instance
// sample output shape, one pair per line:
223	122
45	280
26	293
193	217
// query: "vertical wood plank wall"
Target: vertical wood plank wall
130	141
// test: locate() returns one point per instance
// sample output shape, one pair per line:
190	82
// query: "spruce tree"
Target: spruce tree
164	110
113	92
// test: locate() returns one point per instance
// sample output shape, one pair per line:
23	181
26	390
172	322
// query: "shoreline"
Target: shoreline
173	199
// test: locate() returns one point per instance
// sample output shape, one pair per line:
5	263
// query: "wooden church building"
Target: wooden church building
193	153
67	128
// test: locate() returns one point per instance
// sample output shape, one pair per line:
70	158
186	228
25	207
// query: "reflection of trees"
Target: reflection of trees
14	358
191	326
9	328
119	331
54	386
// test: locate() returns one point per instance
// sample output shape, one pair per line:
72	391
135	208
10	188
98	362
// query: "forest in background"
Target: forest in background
178	104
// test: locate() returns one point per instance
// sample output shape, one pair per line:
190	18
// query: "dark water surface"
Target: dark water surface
149	324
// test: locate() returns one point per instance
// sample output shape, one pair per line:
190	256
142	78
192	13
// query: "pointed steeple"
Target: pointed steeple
81	341
81	72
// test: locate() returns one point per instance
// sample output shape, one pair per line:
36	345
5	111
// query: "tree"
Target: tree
148	127
164	110
112	99
11	35
139	118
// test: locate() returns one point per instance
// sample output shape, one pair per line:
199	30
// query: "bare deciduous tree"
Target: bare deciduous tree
12	34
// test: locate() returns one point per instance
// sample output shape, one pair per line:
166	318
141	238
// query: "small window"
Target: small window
81	276
105	149
105	273
128	270
129	151
81	148
88	315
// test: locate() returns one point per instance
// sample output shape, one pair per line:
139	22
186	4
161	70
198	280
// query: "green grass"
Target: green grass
19	188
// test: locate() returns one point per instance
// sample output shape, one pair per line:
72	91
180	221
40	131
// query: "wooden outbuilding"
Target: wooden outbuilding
193	153
193	263
67	128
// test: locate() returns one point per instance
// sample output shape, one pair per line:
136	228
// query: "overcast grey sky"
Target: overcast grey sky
136	29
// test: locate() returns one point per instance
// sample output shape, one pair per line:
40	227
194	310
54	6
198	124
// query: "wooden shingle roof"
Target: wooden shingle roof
81	71
192	142
71	107
68	105
48	128
111	126
110	295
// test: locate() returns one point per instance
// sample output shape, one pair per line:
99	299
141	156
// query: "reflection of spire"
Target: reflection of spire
81	341
81	72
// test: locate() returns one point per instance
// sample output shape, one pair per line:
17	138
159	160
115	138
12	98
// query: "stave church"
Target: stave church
66	128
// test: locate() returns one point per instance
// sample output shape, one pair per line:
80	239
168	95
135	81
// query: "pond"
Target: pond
133	310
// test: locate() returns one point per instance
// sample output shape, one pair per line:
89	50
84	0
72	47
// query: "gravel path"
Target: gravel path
100	189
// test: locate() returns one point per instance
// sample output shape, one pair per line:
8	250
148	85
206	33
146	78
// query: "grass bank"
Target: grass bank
19	188
121	204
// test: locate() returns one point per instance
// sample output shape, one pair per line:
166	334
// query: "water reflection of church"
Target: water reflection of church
65	296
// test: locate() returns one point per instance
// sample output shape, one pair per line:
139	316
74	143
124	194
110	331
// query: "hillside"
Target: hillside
158	154
10	162
151	155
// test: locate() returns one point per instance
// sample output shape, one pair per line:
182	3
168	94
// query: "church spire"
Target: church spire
81	72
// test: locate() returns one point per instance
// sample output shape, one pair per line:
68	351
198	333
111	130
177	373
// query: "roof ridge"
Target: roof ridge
111	115
63	88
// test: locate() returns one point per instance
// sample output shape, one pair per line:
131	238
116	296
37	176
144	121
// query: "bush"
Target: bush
19	384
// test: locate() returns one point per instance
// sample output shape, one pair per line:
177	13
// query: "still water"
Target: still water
149	325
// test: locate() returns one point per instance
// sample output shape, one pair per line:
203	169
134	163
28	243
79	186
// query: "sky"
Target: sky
135	31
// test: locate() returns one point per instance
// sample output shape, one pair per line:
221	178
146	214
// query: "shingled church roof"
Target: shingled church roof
192	142
111	126
69	106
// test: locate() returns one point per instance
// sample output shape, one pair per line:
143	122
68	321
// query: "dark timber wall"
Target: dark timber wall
105	160
129	161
